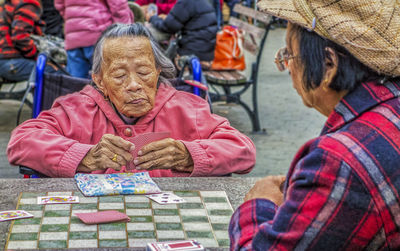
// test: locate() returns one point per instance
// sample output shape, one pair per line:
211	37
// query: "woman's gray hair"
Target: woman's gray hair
133	30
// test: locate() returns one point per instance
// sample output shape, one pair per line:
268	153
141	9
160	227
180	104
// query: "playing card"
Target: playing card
174	246
166	198
57	199
103	217
14	214
143	139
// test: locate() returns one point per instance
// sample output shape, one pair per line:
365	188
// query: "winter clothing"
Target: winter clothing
56	142
164	6
53	19
86	20
197	23
342	190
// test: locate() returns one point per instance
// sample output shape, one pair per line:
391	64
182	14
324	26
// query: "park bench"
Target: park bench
234	83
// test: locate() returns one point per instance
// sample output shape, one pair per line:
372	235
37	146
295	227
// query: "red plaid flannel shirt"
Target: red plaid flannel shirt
343	188
18	20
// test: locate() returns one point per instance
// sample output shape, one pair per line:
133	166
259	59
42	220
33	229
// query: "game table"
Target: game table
234	187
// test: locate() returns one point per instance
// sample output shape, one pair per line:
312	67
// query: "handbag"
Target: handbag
228	54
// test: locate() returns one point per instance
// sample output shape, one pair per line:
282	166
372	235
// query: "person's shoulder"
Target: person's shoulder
86	97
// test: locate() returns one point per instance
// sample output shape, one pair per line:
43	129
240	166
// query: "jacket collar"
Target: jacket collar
363	98
164	93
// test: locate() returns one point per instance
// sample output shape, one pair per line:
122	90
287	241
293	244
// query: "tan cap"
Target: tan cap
368	29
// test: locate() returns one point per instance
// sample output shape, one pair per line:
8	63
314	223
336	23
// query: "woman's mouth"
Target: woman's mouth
137	101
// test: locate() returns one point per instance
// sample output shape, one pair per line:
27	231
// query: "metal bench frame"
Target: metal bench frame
228	95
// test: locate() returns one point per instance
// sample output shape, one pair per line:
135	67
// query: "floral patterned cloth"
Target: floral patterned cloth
116	183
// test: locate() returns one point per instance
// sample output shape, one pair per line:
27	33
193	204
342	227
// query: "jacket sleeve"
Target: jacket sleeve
325	206
120	11
23	25
60	6
220	149
43	144
175	20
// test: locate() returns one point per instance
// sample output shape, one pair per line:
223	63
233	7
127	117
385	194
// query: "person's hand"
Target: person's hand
164	154
162	16
111	152
269	188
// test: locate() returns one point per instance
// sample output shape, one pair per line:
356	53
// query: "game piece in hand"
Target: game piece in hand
14	214
57	199
143	139
174	246
103	217
166	198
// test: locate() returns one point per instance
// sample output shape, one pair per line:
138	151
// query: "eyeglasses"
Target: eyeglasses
282	58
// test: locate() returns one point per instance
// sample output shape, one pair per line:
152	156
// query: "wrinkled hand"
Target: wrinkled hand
100	156
269	188
164	154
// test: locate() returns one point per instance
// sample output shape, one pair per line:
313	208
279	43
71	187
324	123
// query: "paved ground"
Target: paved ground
287	121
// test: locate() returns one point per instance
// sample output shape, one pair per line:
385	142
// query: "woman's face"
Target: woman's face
296	69
129	76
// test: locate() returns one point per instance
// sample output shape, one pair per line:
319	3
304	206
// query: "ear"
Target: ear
98	80
331	67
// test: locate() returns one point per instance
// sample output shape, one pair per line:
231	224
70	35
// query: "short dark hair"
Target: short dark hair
350	73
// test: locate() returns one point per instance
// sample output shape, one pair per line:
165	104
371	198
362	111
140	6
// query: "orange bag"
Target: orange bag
228	53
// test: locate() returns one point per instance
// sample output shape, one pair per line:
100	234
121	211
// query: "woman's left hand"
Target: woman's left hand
269	188
164	154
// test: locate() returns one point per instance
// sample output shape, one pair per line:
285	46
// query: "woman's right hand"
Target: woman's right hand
111	152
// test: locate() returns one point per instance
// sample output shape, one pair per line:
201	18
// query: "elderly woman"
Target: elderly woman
342	191
88	131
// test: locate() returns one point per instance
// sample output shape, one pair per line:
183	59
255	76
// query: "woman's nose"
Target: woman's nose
134	85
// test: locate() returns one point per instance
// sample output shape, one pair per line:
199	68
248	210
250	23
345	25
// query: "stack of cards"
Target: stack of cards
166	198
174	246
57	200
143	139
14	214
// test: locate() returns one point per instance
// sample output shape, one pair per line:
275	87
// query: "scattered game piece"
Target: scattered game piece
116	183
14	214
143	139
174	245
57	199
103	217
166	198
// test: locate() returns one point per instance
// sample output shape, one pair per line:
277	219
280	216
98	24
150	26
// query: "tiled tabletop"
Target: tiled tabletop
57	225
204	217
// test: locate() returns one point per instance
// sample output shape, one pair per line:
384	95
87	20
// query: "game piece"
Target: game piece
57	200
103	217
143	139
166	198
14	214
174	246
116	183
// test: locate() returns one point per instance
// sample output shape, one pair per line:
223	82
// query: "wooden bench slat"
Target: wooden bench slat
225	77
260	16
250	46
251	29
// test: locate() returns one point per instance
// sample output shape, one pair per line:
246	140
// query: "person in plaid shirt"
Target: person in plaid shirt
18	20
342	191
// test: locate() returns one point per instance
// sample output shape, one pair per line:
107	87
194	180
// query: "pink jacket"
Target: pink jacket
56	142
86	20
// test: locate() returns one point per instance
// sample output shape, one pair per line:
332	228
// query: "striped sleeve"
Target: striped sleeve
325	206
23	24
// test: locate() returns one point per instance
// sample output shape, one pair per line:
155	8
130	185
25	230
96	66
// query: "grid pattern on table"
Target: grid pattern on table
204	217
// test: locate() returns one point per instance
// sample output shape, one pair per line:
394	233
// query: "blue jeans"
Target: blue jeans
19	69
79	61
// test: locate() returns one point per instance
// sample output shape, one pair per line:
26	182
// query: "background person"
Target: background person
197	23
342	190
84	23
18	20
88	131
163	6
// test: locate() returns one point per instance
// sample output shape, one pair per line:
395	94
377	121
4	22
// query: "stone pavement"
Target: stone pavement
288	123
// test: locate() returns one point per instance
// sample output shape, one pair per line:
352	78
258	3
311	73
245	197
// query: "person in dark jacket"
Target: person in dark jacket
197	23
53	19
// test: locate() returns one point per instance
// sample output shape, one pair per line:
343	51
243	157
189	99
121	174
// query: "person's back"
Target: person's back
197	23
54	21
84	23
